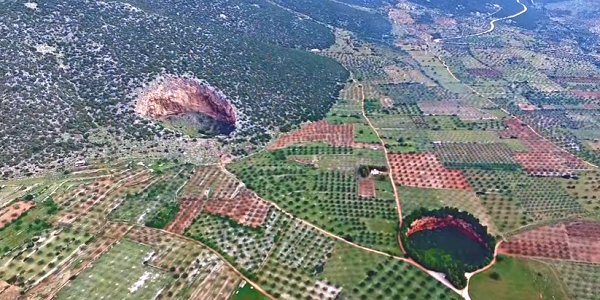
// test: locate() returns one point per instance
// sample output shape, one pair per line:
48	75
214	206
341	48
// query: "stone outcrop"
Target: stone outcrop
172	96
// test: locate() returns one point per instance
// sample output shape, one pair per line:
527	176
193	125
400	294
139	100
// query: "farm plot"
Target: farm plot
450	108
26	226
585	189
292	270
463	136
335	135
514	199
14	211
404	75
474	155
244	246
8	291
513	278
577	241
209	181
425	170
542	158
199	273
246	208
364	275
79	261
140	206
347	162
582	281
187	211
23	267
118	274
99	192
413	198
328	199
345	111
366	187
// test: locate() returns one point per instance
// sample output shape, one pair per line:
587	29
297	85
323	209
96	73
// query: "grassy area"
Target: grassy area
364	275
247	293
516	278
365	134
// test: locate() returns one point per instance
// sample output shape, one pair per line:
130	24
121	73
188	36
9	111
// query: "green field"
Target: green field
516	278
247	293
118	274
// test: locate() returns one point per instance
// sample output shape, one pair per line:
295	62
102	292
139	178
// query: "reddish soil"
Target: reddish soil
445	21
246	208
543	158
587	94
485	73
366	188
425	170
432	223
8	292
13	211
335	135
577	79
188	210
575	241
527	107
174	96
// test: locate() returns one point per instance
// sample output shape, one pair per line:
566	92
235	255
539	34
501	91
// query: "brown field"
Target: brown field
587	94
366	188
574	241
445	21
543	158
425	170
13	211
188	210
7	291
246	208
335	135
209	182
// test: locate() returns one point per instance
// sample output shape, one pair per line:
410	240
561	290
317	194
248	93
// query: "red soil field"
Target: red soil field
587	94
425	170
543	158
13	211
574	241
366	188
527	107
577	79
246	208
8	292
445	21
188	210
431	223
335	135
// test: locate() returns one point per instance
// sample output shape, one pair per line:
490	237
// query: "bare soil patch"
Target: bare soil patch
13	211
366	188
574	241
425	170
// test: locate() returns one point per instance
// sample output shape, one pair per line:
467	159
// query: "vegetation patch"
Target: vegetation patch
449	241
516	278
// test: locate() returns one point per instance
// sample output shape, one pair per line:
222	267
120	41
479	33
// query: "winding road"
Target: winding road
492	25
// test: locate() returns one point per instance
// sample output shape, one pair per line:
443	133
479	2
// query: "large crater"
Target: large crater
447	240
188	104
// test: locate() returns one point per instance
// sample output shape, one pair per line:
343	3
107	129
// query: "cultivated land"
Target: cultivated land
413	134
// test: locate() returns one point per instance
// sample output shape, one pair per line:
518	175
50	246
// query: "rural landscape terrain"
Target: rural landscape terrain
300	149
